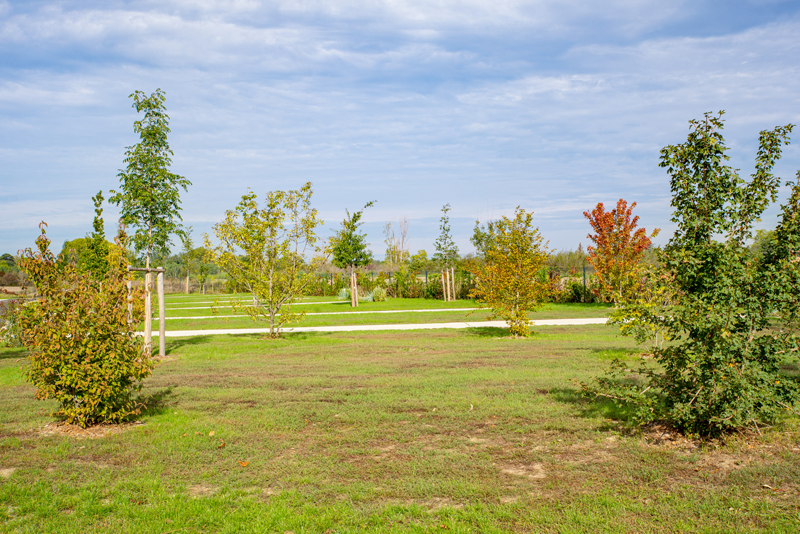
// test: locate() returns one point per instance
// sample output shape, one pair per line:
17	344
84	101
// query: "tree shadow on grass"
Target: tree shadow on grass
593	407
177	343
12	353
487	331
154	403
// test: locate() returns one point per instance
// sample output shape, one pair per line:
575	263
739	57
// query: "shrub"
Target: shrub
344	294
84	351
10	330
379	294
731	316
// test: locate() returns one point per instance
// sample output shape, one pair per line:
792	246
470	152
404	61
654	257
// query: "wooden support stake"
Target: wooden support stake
162	320
148	316
453	281
130	301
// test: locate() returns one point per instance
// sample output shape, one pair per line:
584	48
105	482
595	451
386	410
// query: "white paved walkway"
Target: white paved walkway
244	303
335	313
354	328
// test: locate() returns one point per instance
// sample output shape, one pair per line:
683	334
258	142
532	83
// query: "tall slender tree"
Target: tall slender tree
149	193
349	249
97	258
446	254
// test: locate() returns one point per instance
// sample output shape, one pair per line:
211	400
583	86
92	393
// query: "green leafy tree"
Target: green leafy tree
97	258
446	255
263	249
508	280
90	253
349	249
734	316
149	193
419	262
84	351
189	255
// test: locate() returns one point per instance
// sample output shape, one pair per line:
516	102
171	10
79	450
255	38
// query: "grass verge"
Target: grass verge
462	431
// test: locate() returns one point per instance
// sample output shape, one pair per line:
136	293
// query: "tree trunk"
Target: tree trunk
444	286
187	283
271	323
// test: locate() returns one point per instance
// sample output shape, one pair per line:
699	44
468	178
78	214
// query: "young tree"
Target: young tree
349	249
149	193
508	281
84	351
446	255
97	261
618	251
188	254
274	240
396	235
734	318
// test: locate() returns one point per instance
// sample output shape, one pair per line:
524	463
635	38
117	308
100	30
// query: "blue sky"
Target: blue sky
550	105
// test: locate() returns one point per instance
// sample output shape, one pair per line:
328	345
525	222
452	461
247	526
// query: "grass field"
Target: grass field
199	312
418	431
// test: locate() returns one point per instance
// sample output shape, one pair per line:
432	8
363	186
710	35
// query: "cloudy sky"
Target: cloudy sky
485	105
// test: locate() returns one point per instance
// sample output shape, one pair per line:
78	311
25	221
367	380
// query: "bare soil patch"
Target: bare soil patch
92	432
6	472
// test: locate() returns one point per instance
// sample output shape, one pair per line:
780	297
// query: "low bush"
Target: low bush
10	329
379	294
84	351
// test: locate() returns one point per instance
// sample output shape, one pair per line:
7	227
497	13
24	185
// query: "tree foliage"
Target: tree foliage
149	193
97	257
509	280
618	249
263	251
734	316
446	253
84	351
349	248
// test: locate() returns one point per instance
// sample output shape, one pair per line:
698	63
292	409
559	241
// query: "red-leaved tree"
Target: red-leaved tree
619	247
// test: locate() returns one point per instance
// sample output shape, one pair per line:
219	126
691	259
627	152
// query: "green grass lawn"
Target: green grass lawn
339	312
416	431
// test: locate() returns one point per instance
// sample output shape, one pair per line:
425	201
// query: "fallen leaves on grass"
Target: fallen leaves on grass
244	464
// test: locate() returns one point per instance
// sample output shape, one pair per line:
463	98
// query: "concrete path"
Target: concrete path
244	303
335	313
355	328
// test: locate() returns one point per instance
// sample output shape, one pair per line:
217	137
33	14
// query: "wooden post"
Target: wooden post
130	301
162	319
444	288
148	315
453	281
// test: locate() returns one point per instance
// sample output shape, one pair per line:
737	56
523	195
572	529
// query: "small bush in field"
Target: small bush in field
84	352
10	331
379	294
343	294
